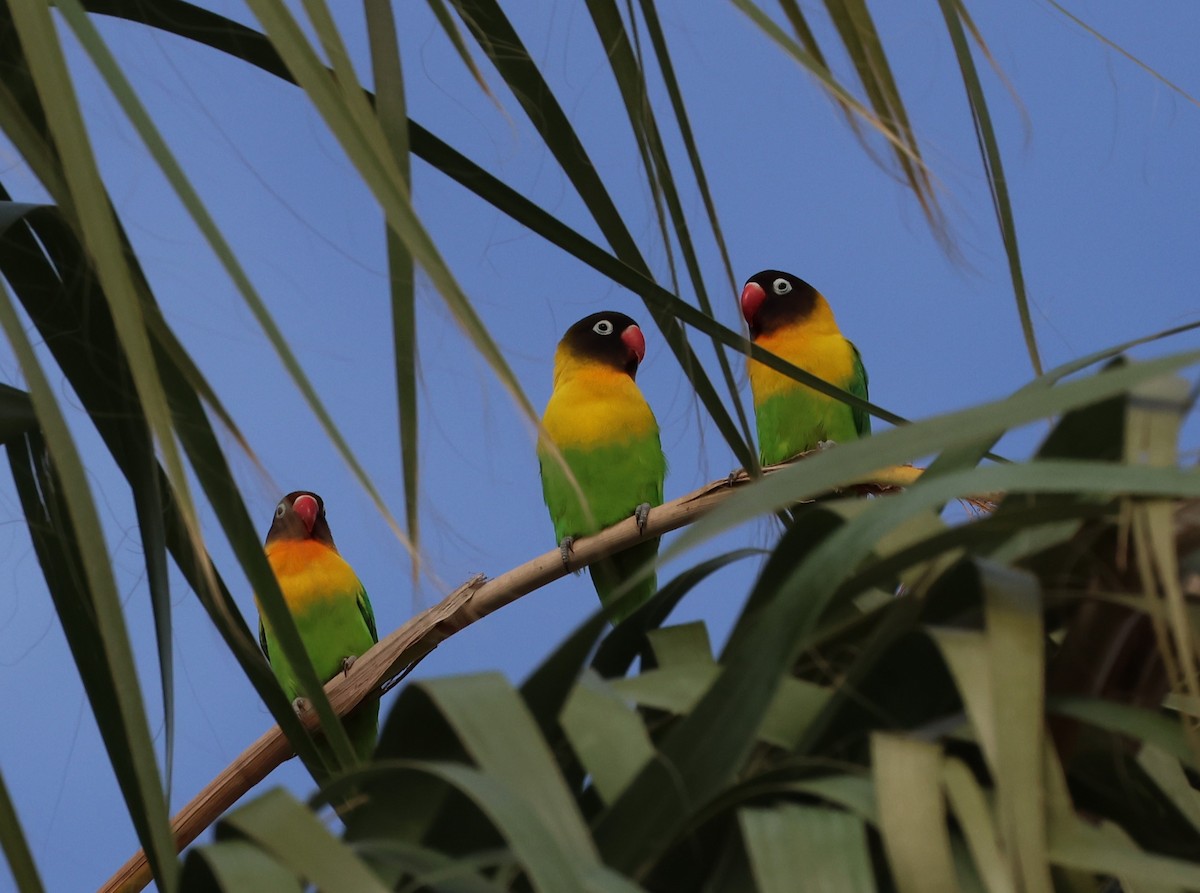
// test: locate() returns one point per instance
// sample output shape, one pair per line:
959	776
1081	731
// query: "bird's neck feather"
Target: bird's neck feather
569	365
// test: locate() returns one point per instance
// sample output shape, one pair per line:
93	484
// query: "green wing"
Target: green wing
858	387
368	614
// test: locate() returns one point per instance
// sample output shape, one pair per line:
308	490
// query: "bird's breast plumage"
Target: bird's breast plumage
309	572
595	406
826	355
791	417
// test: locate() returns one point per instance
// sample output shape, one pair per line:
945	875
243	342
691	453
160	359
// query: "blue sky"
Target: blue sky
1106	191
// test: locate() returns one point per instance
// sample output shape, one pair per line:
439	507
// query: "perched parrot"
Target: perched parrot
602	425
790	318
327	600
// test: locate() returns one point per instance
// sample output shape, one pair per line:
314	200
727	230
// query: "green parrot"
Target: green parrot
791	319
604	429
327	600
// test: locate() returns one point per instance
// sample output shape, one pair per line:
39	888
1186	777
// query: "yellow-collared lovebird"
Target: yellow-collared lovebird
606	433
326	599
790	318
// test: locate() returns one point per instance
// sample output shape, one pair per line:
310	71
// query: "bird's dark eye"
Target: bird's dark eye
604	327
280	509
781	286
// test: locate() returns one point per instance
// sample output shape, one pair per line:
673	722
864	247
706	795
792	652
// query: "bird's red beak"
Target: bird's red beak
306	507
752	297
633	339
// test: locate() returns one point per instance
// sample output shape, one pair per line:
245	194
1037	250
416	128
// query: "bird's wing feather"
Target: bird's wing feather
262	639
368	614
858	387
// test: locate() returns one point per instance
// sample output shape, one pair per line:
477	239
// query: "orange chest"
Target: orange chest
309	571
826	355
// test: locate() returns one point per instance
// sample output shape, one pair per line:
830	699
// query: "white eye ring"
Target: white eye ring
781	286
604	327
279	510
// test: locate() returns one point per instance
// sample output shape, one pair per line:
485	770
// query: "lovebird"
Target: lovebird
603	426
327	600
790	318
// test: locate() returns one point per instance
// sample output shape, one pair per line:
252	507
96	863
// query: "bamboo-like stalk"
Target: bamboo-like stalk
374	671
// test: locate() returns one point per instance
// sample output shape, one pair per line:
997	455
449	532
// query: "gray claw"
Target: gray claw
347	663
826	444
641	514
564	550
300	705
733	477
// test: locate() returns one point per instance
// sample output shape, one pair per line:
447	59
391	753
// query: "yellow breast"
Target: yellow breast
592	404
309	571
817	346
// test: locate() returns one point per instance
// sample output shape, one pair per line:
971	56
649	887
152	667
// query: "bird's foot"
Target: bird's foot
733	476
823	445
564	551
300	705
347	663
641	514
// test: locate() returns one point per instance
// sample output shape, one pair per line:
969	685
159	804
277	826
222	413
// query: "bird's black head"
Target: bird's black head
300	516
608	337
772	299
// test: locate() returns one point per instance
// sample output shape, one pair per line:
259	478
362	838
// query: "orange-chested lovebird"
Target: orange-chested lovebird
607	435
790	318
326	599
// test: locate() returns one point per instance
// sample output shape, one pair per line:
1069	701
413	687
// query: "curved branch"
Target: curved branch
381	667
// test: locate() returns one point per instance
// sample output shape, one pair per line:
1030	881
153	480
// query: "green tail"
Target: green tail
610	575
362	727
